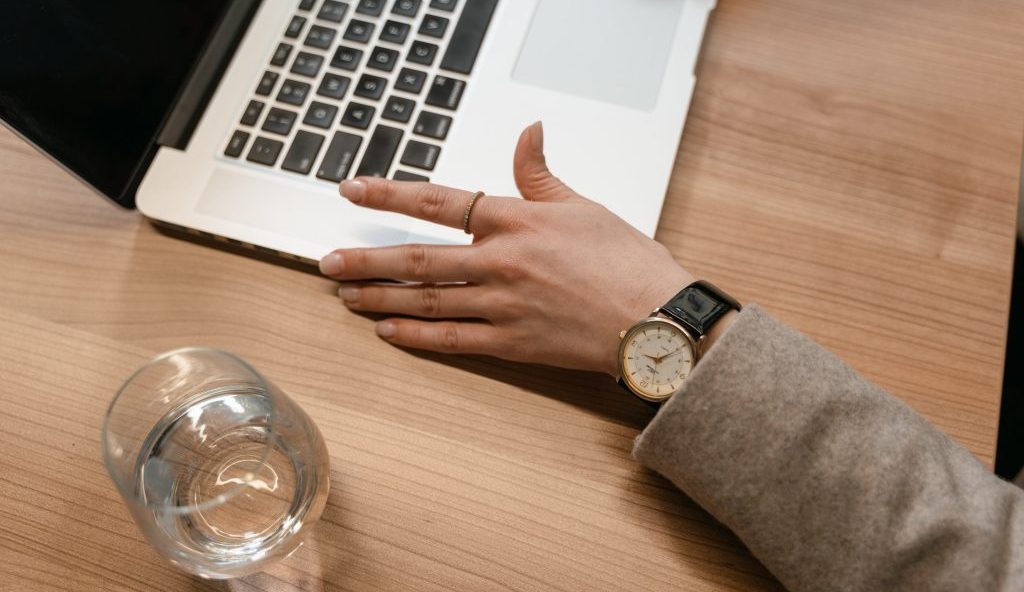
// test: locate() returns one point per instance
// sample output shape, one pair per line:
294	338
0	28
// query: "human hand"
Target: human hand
550	279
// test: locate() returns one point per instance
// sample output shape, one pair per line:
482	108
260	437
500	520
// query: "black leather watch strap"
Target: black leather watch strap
698	306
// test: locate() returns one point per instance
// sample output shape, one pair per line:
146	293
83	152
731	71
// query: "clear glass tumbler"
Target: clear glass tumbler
221	470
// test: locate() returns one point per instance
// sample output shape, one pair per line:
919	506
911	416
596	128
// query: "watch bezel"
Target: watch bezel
625	338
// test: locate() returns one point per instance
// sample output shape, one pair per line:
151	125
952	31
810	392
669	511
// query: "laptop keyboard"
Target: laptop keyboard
362	88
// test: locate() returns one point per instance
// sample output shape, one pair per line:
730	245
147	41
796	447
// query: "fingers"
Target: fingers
534	180
434	203
413	263
422	300
441	336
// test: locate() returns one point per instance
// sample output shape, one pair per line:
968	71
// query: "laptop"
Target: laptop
237	119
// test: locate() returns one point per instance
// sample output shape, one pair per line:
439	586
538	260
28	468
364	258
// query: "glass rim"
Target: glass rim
125	489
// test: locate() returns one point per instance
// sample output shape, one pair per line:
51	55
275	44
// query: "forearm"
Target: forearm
831	482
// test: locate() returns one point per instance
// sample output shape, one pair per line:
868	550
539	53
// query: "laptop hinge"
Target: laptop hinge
183	118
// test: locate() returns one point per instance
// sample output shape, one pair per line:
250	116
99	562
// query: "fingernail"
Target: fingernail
349	295
353	190
386	329
331	264
537	137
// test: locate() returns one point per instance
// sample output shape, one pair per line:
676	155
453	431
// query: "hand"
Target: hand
550	279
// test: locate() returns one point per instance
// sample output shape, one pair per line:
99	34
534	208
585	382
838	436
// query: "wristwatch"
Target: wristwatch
657	354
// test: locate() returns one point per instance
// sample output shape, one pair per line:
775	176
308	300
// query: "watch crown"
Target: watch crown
622	334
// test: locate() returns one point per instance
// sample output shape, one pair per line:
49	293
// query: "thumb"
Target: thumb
535	181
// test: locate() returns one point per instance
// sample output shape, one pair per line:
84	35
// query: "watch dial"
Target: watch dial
656	358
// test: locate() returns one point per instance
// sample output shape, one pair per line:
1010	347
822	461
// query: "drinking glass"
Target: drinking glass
220	469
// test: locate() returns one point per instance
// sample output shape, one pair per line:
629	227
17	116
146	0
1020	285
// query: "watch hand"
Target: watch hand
671	354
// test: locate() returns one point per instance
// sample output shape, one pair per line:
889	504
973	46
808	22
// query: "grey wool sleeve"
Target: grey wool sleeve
833	483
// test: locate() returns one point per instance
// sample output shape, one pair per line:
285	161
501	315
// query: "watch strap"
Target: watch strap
698	306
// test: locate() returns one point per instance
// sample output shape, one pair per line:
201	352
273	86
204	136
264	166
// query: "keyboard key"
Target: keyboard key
359	31
420	155
279	121
370	7
394	32
266	85
332	11
446	92
281	54
306	4
380	152
468	36
236	144
371	87
295	27
406	7
383	58
422	53
433	26
411	81
307	64
445	5
320	37
339	158
252	113
334	86
346	58
265	151
432	125
320	115
358	115
293	92
398	109
302	153
401	175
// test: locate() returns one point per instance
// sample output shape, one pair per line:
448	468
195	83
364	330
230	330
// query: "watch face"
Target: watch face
656	357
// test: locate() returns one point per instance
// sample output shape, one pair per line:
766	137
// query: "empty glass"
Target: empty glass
221	470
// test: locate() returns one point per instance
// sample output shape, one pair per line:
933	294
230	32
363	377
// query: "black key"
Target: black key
446	92
320	115
398	109
306	4
267	83
320	37
360	31
279	121
358	115
302	153
406	7
295	27
370	7
468	36
380	152
340	156
346	58
334	86
401	175
422	53
265	151
394	32
236	144
411	81
432	125
281	54
332	11
383	58
371	87
433	26
252	113
420	155
293	92
307	64
445	5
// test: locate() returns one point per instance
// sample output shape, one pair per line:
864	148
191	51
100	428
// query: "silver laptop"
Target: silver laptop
237	119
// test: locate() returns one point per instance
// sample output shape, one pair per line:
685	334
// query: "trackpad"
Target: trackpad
611	50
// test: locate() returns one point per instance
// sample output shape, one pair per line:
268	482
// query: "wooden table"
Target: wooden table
851	166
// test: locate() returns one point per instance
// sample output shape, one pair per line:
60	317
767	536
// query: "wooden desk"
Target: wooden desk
852	166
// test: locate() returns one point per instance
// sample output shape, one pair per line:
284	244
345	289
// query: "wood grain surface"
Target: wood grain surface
851	166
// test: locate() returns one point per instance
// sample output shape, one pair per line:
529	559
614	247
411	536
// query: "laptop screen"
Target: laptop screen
91	82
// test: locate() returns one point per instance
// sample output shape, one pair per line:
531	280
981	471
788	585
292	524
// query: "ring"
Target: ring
469	211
